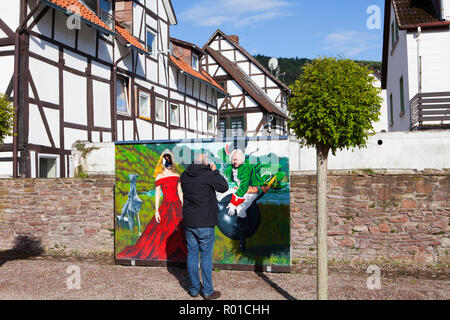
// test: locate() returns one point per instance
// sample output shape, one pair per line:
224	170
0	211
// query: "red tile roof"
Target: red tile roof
130	38
413	13
202	75
85	13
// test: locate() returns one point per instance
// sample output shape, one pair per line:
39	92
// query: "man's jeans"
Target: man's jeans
200	240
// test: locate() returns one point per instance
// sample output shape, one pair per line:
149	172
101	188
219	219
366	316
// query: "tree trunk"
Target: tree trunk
322	220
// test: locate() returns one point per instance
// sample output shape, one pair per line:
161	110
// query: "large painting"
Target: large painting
148	211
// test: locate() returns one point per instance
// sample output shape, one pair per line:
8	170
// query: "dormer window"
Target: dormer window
195	62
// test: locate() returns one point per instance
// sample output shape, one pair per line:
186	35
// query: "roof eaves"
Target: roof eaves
190	74
68	12
131	40
243	80
250	57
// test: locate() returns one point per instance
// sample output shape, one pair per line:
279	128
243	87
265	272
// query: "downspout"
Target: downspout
16	87
419	59
115	90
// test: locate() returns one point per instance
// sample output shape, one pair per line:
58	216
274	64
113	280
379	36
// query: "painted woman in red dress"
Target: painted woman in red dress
163	238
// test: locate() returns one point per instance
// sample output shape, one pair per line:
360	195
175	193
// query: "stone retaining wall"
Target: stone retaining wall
393	216
70	214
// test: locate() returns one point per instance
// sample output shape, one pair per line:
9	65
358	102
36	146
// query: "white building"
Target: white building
98	71
416	64
382	125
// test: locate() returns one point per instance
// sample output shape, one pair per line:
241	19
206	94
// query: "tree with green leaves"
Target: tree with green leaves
6	118
333	105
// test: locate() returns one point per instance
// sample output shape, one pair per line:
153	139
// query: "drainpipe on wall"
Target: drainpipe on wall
16	87
115	90
419	59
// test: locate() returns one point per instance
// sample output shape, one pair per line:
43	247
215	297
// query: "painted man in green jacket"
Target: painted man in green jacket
247	181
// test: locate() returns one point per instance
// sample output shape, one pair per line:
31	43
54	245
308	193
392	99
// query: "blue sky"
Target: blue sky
287	28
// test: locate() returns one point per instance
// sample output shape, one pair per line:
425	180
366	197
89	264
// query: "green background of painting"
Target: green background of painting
269	246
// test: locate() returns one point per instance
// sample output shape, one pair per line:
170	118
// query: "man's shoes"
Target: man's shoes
193	295
213	296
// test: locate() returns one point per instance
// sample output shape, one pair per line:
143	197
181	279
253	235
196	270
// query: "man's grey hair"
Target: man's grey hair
201	159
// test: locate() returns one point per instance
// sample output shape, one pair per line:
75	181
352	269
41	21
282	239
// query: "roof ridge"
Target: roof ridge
250	57
240	77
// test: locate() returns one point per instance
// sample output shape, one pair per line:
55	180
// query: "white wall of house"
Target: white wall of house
398	67
382	124
434	50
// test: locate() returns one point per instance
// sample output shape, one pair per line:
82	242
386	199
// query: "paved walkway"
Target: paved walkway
43	279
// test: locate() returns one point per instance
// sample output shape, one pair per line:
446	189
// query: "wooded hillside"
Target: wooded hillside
293	66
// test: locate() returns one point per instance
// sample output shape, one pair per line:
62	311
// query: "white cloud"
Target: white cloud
350	43
235	13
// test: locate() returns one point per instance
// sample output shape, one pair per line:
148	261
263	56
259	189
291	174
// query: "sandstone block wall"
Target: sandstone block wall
393	216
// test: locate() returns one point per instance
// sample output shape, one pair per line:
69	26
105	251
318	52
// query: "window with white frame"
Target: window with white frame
144	105
195	61
174	115
151	41
123	93
160	110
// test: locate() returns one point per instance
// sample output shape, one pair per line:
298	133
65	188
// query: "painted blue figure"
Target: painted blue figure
131	208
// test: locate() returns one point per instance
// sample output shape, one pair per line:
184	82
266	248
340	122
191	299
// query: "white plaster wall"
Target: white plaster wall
100	70
48	89
86	39
162	10
7	71
74	60
382	124
44	49
101	160
75	109
105	51
62	33
400	150
9	13
37	134
72	135
102	104
434	48
129	133
161	133
398	66
144	129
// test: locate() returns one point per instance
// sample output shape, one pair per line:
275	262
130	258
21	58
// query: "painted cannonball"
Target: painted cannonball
228	224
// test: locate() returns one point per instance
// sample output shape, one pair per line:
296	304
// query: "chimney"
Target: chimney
235	38
444	6
124	14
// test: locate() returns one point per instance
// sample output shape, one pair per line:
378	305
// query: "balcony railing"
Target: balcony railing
107	18
430	110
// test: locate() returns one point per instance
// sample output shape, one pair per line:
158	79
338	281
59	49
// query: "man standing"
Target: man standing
199	183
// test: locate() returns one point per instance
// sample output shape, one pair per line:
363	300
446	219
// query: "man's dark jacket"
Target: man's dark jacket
199	184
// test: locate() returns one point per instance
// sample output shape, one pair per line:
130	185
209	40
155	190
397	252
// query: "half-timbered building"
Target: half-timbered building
94	70
257	101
